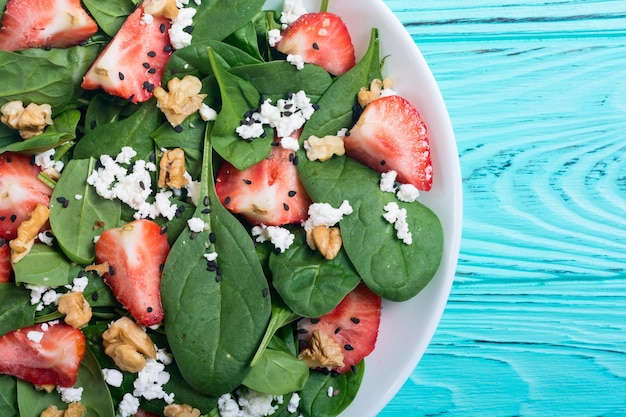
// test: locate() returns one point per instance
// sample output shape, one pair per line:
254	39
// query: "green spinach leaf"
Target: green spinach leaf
62	131
110	14
42	266
15	308
8	396
277	372
223	18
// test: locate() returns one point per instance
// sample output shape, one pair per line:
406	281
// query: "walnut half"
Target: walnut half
323	149
323	352
172	169
128	345
327	240
75	409
76	309
30	120
182	100
180	410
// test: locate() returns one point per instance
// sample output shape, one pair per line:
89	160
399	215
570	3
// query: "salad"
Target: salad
202	209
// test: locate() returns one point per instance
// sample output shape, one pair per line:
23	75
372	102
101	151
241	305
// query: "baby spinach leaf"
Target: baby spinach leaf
34	80
281	315
63	130
245	39
75	222
191	136
277	372
336	105
102	109
42	266
133	131
308	283
15	308
214	353
8	396
110	14
389	267
314	398
238	98
275	79
223	18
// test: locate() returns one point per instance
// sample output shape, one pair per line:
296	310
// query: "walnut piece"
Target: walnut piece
31	120
99	269
327	240
375	91
45	387
27	232
172	169
75	409
182	100
128	345
76	309
323	352
165	8
323	149
180	410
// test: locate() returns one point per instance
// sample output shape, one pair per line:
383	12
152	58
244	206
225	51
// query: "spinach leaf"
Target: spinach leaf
277	372
34	80
336	105
281	315
15	308
75	222
238	98
96	399
8	396
133	131
308	283
276	78
62	131
102	109
190	137
110	14
389	267
223	18
42	266
314	398
245	39
231	298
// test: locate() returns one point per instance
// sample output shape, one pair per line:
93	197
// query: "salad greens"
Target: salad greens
230	328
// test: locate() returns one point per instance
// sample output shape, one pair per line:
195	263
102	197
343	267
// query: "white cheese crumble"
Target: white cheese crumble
70	395
330	392
34	336
273	37
45	160
249	403
323	214
294	403
210	256
296	60
404	192
397	216
207	113
128	406
292	10
150	381
280	237
78	284
147	19
179	38
408	193
113	377
290	143
196	224
46	237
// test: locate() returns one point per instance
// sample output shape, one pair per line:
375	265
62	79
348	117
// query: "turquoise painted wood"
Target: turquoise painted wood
536	321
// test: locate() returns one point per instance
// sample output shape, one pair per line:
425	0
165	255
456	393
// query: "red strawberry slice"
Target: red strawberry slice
135	254
353	324
321	39
391	135
144	413
6	267
269	192
43	353
132	64
20	192
44	23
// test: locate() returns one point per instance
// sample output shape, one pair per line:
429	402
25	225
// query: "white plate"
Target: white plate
406	328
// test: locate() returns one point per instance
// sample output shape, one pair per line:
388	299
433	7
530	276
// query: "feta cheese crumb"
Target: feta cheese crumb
34	336
296	60
404	192
128	406
79	284
397	216
210	256
112	377
228	406
323	214
273	37
179	38
294	403
147	19
46	237
292	10
408	193
280	237
150	381
290	143
70	395
330	392
207	113
388	181
196	224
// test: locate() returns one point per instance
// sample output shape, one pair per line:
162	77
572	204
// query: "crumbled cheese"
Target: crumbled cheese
128	406
296	60
113	377
228	406
280	237
196	224
207	113
273	37
126	155
397	216
290	143
193	189
323	214
294	403
179	38
78	197
407	193
46	237
292	10
79	284
248	403
70	395
388	181
150	381
34	336
45	160
210	256
330	392
164	356
404	192
250	131
147	19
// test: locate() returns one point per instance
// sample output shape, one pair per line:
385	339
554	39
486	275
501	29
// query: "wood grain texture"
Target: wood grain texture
536	322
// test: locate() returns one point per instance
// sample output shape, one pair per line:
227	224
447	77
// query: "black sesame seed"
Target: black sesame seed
315	321
151	89
316	46
295	160
353	369
383	162
142	185
212	237
247	181
188	29
93	124
178	129
13	218
277	251
180	209
162	27
355	320
348	347
3	241
334	374
111	270
348	133
285	206
145	85
315	106
61	200
81	273
151	54
152	71
146	65
193	235
291	157
8	159
303	331
288	106
121	75
337	330
2	218
95	296
149	309
275	143
265	292
292	193
287	113
131	97
206	211
218	278
227	201
161	267
206	201
152	157
168	48
163	230
325	371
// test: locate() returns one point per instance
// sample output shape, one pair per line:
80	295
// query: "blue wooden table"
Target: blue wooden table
536	320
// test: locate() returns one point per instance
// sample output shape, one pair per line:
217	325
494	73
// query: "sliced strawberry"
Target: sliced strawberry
144	413
44	23
269	192
391	135
43	353
135	254
132	64
353	324
20	192
6	267
321	39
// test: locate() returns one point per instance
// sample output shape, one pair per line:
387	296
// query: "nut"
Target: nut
75	409
182	100
323	149
76	309
128	345
27	232
165	8
172	167
375	91
30	121
45	387
180	410
323	352
99	269
327	240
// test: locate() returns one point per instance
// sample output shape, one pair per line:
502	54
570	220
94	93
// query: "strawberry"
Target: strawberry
44	353
6	267
44	23
144	413
20	192
391	135
135	254
353	324
132	64
321	39
269	192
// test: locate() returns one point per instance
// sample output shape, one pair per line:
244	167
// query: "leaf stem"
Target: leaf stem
324	6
